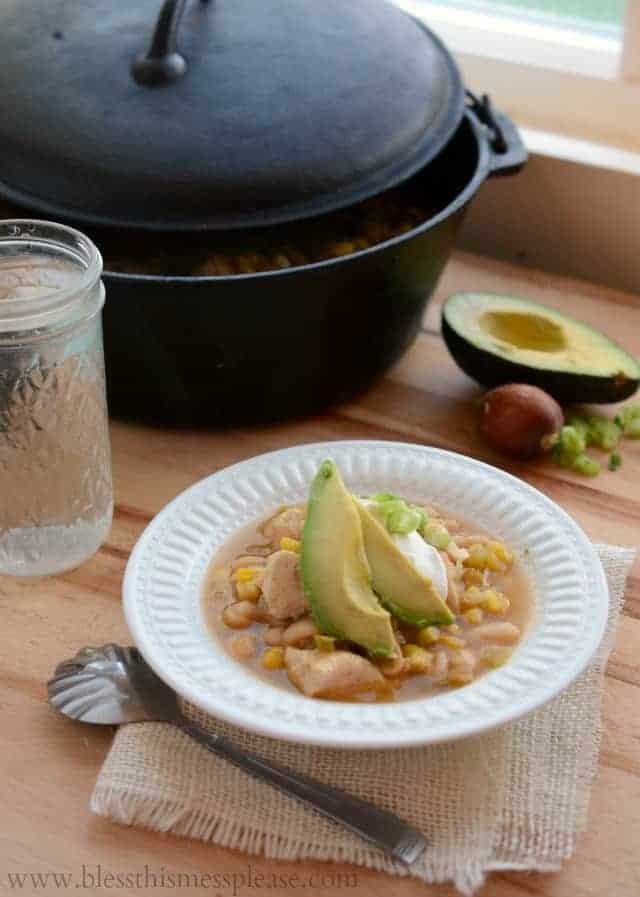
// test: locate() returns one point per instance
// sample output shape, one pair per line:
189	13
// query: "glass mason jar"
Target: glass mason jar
56	498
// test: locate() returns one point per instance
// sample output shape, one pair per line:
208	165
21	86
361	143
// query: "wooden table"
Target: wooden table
48	765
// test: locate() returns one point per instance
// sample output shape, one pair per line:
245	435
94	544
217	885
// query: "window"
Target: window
600	14
566	67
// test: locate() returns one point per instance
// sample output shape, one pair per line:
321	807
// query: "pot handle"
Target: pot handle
508	152
162	63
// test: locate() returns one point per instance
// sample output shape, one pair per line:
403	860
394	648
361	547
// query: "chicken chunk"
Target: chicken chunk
331	674
286	524
282	590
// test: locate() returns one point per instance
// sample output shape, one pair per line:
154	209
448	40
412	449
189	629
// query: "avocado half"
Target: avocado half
503	339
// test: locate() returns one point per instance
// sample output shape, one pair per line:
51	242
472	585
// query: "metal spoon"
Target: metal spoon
113	685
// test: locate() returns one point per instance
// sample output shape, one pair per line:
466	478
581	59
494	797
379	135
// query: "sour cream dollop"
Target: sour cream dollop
424	557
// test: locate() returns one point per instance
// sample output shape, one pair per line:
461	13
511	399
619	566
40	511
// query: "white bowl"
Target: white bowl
164	575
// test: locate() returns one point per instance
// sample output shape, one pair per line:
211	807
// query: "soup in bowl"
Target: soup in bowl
374	598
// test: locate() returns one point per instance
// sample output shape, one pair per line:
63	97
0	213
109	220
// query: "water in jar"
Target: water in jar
55	474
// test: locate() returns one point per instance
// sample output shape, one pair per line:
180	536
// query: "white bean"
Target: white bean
455	552
440	667
273	635
243	647
504	633
299	631
239	615
463	661
248	560
468	541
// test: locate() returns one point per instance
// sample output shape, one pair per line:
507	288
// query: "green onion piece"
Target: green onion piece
580	424
586	466
391	505
570	445
403	520
628	414
436	536
603	432
384	496
632	429
424	519
615	461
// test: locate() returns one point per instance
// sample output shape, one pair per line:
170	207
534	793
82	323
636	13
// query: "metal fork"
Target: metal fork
113	685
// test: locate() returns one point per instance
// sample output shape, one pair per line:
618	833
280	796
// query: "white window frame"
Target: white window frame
575	96
574	83
631	50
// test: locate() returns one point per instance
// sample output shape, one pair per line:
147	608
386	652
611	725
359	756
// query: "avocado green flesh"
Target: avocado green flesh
407	593
502	339
335	572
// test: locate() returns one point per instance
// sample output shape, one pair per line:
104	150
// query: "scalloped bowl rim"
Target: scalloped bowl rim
164	575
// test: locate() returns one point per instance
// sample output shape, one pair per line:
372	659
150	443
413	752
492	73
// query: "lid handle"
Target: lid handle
162	64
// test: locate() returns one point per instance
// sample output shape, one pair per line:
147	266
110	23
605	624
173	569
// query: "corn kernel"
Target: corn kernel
495	656
495	602
288	544
245	574
248	591
472	597
419	660
501	552
273	658
325	642
454	629
493	563
477	557
472	577
458	678
346	247
452	641
420	663
474	616
428	636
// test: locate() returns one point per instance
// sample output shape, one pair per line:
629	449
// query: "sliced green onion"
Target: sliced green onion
580	425
437	536
628	414
403	520
632	429
570	445
585	465
603	432
424	520
384	496
393	504
615	461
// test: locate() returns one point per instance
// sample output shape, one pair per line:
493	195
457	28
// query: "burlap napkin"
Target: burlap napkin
515	798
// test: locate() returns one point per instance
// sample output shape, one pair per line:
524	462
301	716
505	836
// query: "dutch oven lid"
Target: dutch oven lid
237	113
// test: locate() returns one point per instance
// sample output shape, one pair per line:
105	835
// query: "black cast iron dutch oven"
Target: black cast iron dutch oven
260	117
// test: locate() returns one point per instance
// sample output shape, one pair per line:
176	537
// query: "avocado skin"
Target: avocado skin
420	620
491	370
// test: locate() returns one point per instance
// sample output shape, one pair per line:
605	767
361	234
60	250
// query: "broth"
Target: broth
217	592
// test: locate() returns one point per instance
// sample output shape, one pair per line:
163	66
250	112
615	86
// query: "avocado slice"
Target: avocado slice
503	339
335	572
407	593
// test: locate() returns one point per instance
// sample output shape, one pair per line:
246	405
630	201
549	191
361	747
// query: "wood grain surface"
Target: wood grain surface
48	764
